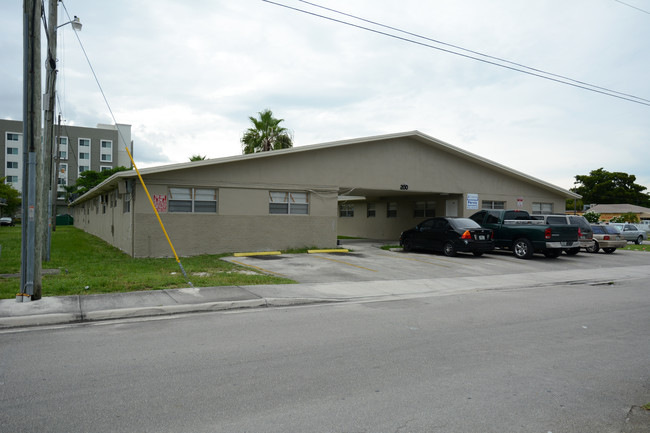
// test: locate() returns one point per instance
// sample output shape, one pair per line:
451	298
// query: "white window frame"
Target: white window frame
493	204
193	200
391	209
103	153
104	168
346	210
63	148
371	210
62	179
542	208
82	154
288	203
126	202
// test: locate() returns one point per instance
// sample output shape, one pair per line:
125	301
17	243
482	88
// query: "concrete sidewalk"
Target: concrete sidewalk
71	309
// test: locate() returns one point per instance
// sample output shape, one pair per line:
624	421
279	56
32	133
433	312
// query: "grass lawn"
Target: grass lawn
634	247
88	265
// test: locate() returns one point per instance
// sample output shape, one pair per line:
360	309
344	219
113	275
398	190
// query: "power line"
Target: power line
633	7
471	51
488	59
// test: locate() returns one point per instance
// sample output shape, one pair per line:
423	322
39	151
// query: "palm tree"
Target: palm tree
266	134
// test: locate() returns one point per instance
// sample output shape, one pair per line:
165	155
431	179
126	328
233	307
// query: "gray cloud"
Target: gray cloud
188	75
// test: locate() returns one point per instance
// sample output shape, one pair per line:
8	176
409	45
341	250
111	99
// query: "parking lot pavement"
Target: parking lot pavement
366	261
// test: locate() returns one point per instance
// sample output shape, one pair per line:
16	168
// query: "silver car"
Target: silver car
606	237
631	233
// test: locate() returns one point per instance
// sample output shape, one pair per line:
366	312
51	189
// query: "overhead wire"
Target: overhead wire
468	50
488	59
633	7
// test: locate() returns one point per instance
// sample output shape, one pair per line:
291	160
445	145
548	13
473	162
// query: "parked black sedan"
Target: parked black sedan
449	235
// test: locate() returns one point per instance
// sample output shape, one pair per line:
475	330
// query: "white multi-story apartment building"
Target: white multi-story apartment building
80	149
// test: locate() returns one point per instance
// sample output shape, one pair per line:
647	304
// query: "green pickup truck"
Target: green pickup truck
517	231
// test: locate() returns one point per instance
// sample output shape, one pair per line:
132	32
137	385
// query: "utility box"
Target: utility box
64	220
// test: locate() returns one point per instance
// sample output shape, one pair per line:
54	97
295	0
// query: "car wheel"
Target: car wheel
523	248
609	250
552	254
477	253
449	249
639	240
572	251
407	245
593	248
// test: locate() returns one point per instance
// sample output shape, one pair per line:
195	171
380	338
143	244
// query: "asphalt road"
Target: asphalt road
544	359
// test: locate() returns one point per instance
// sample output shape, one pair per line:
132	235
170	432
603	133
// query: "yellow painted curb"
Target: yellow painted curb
261	253
337	250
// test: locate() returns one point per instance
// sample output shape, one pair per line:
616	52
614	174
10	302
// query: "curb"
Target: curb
163	310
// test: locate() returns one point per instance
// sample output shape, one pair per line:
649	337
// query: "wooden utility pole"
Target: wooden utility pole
47	212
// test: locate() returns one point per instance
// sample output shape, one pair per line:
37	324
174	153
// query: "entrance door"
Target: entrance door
451	209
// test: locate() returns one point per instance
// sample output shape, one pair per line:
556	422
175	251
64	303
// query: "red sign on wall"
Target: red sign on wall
160	201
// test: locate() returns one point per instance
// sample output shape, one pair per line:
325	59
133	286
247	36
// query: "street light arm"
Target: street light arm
75	22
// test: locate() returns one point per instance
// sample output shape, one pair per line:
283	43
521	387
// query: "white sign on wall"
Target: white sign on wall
472	201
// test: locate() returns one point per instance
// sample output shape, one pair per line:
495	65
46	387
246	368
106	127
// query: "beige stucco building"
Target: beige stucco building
372	187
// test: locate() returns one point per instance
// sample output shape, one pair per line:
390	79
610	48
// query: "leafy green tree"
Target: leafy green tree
592	217
88	180
600	186
629	217
266	134
9	199
577	204
197	157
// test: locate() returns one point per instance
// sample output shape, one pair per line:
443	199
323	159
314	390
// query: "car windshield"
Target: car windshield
599	230
463	223
580	222
554	220
612	230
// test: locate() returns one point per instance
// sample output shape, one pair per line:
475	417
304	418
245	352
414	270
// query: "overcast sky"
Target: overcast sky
187	75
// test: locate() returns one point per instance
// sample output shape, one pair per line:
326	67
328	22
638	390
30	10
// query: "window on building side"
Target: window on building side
11	179
126	205
63	176
283	202
12	164
542	208
12	151
192	200
346	210
12	137
370	212
63	147
83	168
105	168
391	210
492	204
106	151
424	209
